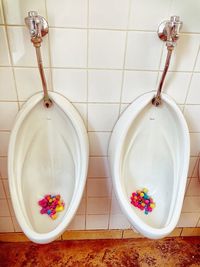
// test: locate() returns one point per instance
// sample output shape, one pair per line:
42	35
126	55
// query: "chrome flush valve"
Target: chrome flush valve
38	27
169	30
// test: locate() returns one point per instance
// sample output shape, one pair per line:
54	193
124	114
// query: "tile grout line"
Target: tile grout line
99	29
189	85
49	54
125	55
17	95
10	57
120	100
99	69
87	86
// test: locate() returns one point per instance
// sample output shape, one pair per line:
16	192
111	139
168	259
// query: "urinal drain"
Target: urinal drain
141	200
51	204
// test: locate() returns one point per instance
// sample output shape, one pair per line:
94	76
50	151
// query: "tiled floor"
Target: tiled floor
179	251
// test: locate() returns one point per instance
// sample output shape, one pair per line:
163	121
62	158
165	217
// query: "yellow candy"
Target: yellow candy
53	216
145	190
143	204
60	208
141	194
152	205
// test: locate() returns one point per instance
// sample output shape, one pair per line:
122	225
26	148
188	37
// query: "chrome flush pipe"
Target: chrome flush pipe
168	31
38	27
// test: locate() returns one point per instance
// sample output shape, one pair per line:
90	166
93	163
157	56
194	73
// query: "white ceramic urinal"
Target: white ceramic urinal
48	153
149	148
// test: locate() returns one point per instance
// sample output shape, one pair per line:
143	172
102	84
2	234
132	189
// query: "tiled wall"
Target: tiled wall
100	54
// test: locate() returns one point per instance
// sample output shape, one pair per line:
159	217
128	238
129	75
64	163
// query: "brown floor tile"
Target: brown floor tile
190	232
178	251
101	234
13	237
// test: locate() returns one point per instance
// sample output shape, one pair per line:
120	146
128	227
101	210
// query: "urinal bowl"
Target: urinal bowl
149	148
48	153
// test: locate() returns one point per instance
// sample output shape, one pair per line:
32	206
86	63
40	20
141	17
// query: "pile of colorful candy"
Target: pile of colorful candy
142	200
51	204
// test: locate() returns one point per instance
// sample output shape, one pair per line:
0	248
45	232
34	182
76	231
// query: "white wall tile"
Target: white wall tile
77	223
98	205
106	49
100	14
193	95
4	210
1	13
22	50
98	143
67	13
6	224
82	110
104	85
6	187
115	208
143	51
82	207
102	117
4	139
137	83
191	204
193	167
28	82
181	60
7	85
188	219
192	114
197	66
98	167
99	187
4	167
16	11
123	107
17	228
176	85
8	111
4	53
189	14
11	208
194	144
97	222
2	192
187	183
118	221
198	224
68	47
71	83
147	15
194	187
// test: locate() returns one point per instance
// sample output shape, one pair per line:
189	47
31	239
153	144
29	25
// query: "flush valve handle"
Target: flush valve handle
168	31
38	27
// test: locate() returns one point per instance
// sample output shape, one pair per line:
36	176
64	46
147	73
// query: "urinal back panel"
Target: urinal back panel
48	154
47	146
151	157
150	148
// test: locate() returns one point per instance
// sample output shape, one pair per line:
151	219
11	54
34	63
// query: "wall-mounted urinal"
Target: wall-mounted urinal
48	153
150	148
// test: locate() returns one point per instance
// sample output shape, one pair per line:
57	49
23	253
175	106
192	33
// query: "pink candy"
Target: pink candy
51	204
141	200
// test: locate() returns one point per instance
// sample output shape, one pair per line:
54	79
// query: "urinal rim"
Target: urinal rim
115	158
80	129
